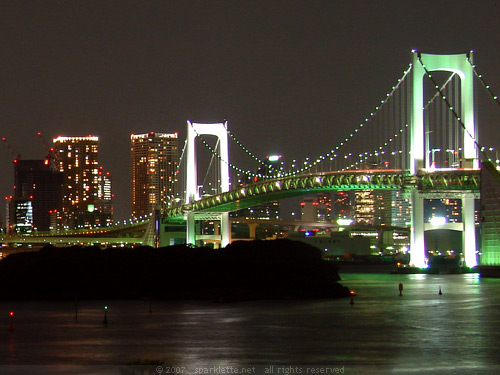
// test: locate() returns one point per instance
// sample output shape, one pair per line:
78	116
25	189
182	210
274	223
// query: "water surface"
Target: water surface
457	332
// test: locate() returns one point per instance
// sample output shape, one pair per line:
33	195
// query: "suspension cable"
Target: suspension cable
480	77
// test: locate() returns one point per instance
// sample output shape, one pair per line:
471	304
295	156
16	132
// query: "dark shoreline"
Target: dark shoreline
279	269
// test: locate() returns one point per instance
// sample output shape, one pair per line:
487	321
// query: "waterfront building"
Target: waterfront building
342	205
84	201
364	202
37	192
317	208
154	163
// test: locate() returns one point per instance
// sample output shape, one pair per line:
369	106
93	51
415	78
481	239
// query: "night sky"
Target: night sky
291	77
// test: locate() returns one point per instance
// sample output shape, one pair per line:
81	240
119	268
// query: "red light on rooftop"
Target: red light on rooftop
11	313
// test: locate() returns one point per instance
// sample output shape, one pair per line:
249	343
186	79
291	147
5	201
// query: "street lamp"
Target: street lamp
432	158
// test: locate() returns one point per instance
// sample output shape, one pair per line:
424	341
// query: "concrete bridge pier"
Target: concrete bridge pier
222	235
469	245
417	242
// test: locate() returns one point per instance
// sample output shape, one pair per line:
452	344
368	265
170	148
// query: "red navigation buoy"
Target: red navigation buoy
11	326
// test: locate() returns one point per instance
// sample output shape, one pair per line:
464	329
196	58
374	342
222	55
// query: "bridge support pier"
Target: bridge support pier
223	235
191	229
417	240
225	229
467	227
469	233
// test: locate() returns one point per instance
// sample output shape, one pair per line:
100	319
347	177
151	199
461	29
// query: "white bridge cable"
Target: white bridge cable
380	151
333	154
214	169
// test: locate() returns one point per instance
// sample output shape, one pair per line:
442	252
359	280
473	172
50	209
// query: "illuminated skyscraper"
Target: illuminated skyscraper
154	158
85	203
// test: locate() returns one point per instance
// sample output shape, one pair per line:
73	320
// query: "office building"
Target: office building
154	162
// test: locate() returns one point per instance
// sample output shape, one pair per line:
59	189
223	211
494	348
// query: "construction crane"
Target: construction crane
14	153
50	158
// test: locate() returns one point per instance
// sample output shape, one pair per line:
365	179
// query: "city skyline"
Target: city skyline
291	77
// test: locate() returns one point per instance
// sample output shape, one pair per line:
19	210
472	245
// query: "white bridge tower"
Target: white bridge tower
192	194
460	65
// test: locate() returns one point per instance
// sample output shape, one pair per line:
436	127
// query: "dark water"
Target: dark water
457	332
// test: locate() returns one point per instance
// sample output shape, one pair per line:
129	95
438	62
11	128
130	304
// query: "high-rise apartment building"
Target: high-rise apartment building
381	207
86	198
154	158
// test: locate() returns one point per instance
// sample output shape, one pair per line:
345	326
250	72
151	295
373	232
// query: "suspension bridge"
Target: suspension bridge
422	139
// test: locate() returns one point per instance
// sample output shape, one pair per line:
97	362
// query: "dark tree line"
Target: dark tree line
242	270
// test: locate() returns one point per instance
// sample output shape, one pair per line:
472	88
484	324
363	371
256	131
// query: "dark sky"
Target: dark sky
290	76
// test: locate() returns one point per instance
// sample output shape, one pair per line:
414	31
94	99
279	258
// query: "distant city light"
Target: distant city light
438	220
344	221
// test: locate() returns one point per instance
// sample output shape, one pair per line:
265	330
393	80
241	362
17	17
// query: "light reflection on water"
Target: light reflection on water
421	331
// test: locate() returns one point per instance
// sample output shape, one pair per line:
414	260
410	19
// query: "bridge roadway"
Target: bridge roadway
438	183
124	235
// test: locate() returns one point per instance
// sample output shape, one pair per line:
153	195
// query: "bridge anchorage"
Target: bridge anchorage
417	172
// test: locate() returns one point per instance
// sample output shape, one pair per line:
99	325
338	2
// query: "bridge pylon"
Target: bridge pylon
192	193
419	155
